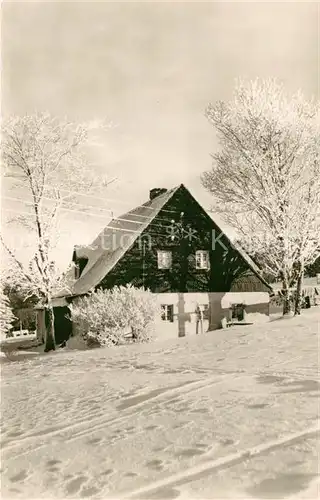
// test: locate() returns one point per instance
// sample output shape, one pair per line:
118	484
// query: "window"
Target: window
167	312
238	312
202	259
79	266
164	259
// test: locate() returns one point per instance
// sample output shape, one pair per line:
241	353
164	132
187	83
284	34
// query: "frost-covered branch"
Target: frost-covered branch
265	177
47	155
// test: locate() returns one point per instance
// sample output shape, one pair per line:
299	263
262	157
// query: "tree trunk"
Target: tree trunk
298	297
286	297
50	343
181	316
184	251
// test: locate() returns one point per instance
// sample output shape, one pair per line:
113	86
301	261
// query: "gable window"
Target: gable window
202	259
167	312
164	259
79	266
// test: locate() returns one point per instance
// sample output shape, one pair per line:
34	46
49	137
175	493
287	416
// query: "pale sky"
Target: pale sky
151	68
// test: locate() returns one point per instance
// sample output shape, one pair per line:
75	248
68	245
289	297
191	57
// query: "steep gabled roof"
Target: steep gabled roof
113	242
246	257
119	236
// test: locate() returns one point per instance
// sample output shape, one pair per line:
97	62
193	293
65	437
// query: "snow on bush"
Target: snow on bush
6	315
107	317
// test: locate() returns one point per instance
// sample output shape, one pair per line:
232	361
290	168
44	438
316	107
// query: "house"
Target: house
173	247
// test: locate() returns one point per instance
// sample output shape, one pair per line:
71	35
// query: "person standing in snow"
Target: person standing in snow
199	319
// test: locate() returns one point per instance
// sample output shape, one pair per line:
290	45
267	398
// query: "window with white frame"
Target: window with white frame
164	259
167	312
202	259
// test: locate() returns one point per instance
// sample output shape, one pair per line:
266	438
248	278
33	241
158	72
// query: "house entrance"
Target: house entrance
237	313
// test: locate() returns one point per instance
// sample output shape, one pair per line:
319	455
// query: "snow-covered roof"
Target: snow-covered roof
119	236
113	242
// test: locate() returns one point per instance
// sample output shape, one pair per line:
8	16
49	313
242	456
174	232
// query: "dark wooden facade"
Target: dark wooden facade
229	271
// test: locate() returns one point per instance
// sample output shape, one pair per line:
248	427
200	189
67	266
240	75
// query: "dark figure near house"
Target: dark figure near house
199	319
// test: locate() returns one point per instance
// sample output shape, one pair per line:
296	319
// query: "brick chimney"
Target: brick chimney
156	192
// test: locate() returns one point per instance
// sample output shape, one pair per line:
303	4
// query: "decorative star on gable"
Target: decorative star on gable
179	230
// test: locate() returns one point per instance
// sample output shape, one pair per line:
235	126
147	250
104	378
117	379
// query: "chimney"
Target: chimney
156	192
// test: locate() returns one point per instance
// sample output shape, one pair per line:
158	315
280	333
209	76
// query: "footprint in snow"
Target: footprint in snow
94	441
202	446
151	427
53	462
89	492
75	484
54	470
21	476
228	442
15	434
189	452
107	472
200	410
155	464
14	490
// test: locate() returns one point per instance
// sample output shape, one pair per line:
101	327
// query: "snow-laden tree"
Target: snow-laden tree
265	178
106	317
46	156
7	317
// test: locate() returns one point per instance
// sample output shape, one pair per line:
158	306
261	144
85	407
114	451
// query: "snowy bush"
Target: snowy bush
6	315
110	317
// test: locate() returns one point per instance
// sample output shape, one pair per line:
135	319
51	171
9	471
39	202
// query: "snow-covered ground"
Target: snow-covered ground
228	414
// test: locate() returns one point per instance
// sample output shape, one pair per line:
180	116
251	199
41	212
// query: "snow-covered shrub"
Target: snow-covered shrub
6	315
110	317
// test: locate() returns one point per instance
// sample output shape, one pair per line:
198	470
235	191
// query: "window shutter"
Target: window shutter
170	312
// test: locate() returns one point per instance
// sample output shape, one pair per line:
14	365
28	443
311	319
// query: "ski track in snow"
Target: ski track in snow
89	425
92	423
275	370
228	461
